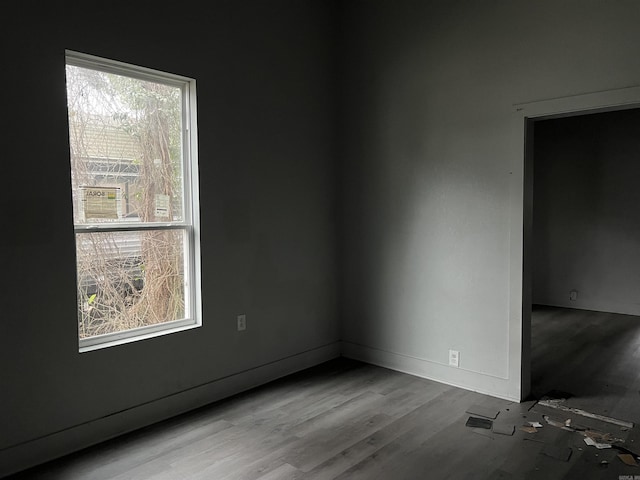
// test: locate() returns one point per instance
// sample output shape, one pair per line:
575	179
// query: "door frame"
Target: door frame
521	216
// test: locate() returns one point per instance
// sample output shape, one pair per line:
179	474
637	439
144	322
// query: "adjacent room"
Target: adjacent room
355	255
585	320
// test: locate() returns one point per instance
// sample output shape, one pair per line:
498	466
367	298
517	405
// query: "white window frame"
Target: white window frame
190	223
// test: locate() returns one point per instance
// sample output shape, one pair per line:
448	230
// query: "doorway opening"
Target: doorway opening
580	293
585	249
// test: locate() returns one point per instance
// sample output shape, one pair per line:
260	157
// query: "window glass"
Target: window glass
132	154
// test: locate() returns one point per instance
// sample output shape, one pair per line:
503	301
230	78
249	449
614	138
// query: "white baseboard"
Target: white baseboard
594	306
72	439
466	379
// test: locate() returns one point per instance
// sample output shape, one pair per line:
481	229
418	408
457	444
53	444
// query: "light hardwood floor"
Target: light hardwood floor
350	421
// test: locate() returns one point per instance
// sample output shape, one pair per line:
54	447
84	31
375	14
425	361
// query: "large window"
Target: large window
132	135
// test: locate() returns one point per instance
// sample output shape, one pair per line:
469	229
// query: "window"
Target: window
132	136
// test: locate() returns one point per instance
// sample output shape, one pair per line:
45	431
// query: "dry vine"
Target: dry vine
125	133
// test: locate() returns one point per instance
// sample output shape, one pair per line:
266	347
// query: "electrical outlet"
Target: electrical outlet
573	295
242	322
454	358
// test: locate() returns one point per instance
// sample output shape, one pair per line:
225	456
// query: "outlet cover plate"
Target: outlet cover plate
454	358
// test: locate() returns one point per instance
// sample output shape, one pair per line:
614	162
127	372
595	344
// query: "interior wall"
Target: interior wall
433	170
266	81
586	231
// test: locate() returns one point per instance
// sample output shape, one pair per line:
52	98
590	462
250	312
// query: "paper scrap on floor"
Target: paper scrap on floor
483	411
628	459
529	429
590	441
503	429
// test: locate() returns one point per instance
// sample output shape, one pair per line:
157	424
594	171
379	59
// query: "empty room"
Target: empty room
284	239
585	325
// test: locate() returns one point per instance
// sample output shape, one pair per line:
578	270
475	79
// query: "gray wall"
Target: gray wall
429	187
586	217
266	84
431	248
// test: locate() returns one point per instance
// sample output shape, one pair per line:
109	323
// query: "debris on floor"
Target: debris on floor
504	429
602	438
560	404
622	449
555	423
529	429
591	442
476	422
483	411
563	433
628	459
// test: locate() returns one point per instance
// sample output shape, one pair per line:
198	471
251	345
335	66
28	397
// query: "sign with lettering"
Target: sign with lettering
100	202
162	205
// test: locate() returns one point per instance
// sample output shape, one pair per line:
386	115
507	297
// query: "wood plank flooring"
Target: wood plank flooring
594	356
346	420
